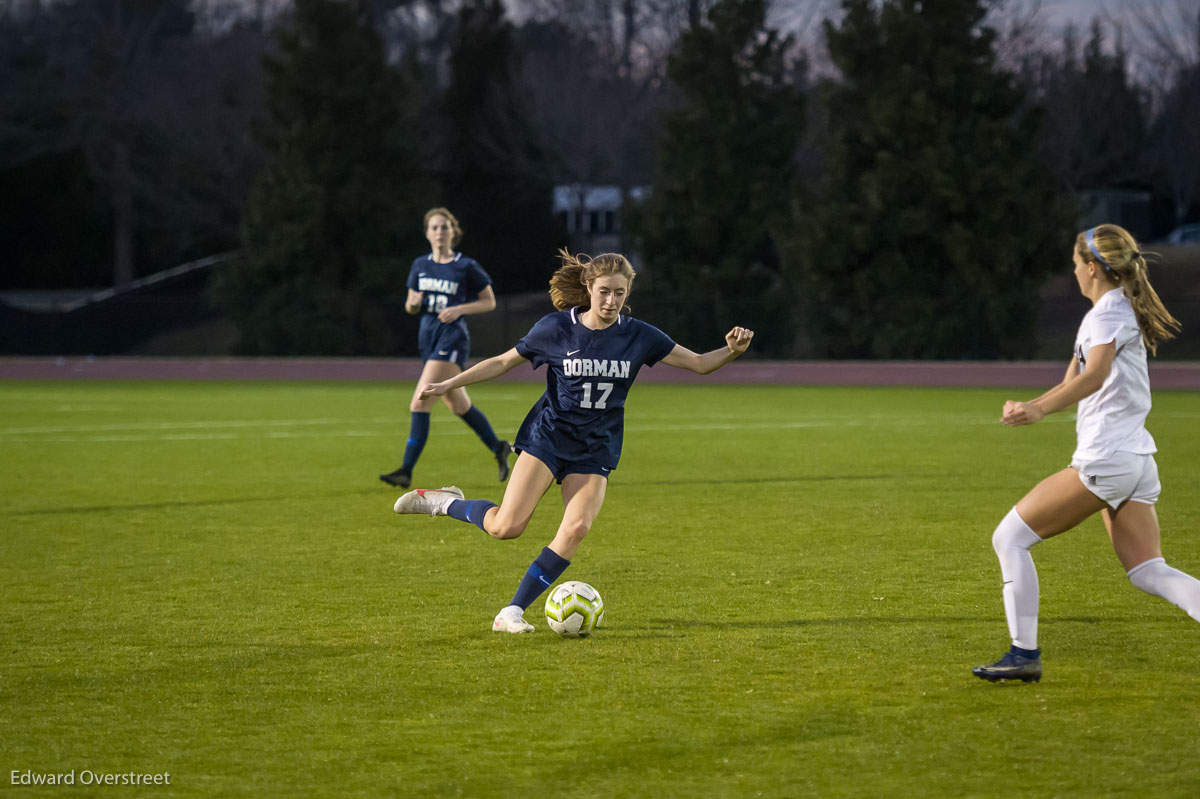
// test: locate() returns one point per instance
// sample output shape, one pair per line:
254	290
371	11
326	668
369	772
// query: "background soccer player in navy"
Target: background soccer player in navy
443	287
1113	469
573	433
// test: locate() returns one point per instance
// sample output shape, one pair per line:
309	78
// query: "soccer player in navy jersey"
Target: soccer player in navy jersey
572	435
443	287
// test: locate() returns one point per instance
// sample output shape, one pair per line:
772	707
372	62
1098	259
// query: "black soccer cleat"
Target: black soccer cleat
401	478
502	451
1011	667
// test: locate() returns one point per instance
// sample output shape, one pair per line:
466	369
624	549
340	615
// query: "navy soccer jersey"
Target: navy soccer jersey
445	285
581	417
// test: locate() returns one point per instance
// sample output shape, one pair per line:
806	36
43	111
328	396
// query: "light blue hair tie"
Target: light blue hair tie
1091	243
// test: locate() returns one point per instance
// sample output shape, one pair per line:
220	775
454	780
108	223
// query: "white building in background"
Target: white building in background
1129	209
591	216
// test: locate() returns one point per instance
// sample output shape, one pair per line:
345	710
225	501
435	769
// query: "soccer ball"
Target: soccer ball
574	609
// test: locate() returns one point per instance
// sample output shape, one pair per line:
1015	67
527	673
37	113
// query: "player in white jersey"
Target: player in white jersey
1113	469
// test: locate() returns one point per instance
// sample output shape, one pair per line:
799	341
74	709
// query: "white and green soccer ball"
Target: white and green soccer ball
574	609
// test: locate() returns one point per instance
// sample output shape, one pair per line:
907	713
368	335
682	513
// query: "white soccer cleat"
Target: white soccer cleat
511	620
433	501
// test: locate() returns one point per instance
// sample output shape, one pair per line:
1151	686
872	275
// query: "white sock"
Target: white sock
1156	577
1012	540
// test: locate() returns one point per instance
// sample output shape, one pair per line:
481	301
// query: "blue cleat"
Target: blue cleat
1011	667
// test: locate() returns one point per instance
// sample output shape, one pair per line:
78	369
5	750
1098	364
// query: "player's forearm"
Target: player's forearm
1072	391
710	362
1052	391
1071	373
483	371
476	307
413	302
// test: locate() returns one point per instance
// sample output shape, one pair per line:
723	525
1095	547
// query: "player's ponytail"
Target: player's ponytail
1114	250
1155	321
569	283
567	286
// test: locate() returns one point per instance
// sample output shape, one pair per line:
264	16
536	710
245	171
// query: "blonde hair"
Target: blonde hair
569	283
455	229
1113	249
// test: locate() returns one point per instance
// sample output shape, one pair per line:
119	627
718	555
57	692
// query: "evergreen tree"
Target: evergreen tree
106	100
1095	131
339	201
1176	145
725	168
505	215
934	225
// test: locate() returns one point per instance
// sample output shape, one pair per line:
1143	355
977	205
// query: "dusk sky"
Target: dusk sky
1061	13
804	15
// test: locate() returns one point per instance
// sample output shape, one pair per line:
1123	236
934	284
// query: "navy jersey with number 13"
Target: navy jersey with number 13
444	286
581	417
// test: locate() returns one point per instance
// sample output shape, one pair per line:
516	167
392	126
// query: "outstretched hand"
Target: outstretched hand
738	339
433	390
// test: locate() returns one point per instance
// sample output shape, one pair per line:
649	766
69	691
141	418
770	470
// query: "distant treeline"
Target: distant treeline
894	181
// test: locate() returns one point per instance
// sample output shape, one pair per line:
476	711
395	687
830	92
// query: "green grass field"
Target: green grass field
207	579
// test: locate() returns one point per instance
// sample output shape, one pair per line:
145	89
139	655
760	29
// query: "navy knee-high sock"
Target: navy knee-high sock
545	569
418	434
470	510
482	427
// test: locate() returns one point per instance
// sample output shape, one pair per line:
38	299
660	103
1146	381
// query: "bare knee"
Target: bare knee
421	405
571	534
458	401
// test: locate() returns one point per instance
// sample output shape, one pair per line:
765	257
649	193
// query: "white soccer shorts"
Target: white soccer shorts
1121	476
